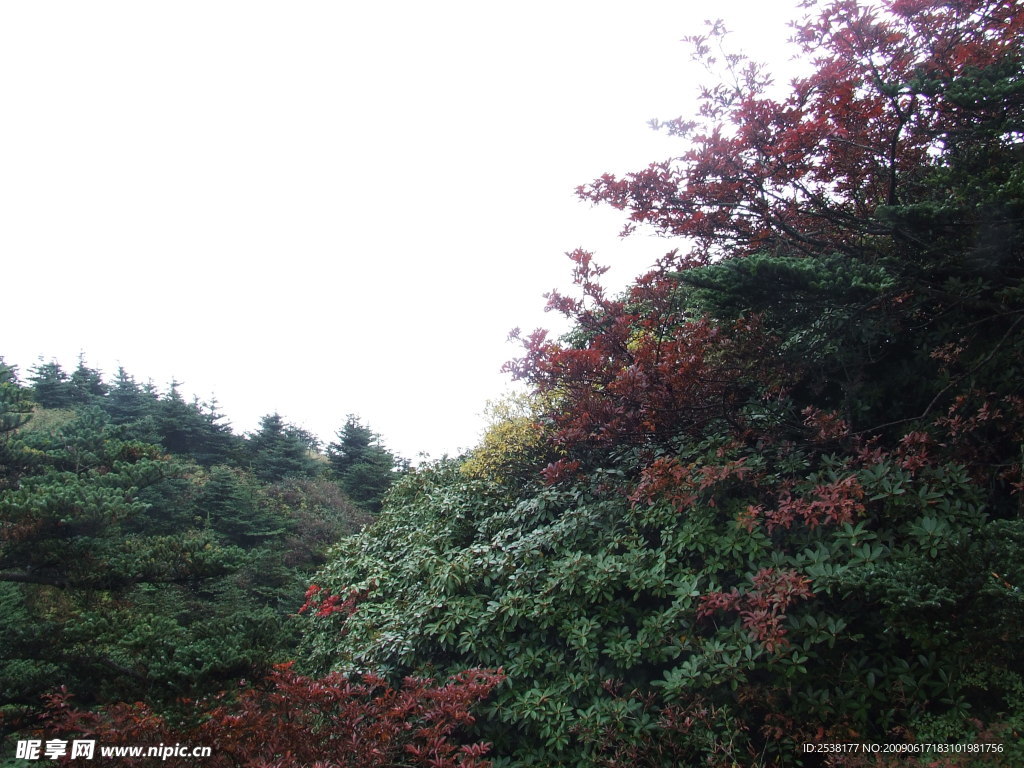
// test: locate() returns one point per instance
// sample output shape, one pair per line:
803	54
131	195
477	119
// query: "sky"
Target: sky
323	208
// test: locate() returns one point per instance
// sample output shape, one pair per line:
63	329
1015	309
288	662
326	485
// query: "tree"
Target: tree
15	411
900	95
896	164
513	443
190	429
126	401
82	559
278	450
88	382
73	521
363	466
230	503
51	386
54	388
127	573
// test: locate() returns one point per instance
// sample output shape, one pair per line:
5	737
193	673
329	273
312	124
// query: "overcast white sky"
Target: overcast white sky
319	208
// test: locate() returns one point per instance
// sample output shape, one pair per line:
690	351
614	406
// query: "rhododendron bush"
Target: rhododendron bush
779	500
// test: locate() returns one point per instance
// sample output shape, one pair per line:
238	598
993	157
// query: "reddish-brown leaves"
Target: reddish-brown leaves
666	479
289	720
763	607
639	370
834	503
325	604
806	173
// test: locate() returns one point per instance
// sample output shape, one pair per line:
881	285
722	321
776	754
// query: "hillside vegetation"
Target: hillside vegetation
766	500
770	495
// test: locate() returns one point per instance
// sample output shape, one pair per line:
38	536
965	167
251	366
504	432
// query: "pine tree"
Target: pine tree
15	409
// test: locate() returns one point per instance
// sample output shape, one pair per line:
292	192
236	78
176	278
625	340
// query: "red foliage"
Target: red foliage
762	608
914	451
978	429
667	479
327	604
117	725
807	173
832	503
560	470
827	425
289	720
818	168
642	371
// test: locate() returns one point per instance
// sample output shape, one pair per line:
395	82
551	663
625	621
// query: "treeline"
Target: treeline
147	552
357	460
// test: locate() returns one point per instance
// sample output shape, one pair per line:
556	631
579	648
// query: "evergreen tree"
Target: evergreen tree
127	401
88	383
190	429
15	411
111	583
54	388
232	507
363	466
278	450
51	386
126	574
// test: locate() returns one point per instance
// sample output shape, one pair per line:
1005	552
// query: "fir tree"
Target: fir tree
363	466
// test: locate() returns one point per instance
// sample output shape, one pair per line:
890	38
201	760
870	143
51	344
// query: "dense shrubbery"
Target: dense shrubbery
781	502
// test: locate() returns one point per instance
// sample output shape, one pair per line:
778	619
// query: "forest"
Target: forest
764	507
